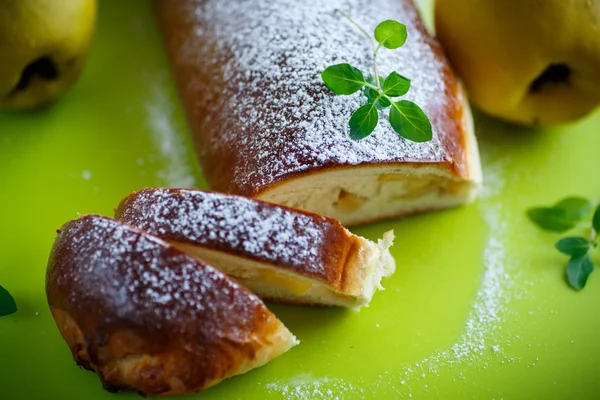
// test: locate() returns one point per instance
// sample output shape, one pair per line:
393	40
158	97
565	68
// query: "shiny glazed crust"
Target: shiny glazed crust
259	113
147	317
280	238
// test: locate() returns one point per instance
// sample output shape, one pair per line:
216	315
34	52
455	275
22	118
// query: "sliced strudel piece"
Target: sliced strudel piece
145	316
277	252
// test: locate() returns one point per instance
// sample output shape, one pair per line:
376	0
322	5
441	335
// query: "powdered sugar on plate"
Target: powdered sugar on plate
480	343
155	100
167	140
306	386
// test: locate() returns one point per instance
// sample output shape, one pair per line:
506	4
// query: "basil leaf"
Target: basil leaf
596	220
573	246
396	85
343	78
551	219
7	303
578	208
391	34
578	271
363	121
410	122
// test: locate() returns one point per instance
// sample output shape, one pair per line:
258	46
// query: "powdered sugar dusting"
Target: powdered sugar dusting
262	231
306	386
270	100
138	278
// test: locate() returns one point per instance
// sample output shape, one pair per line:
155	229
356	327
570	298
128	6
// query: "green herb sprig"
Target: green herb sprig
7	303
406	118
568	214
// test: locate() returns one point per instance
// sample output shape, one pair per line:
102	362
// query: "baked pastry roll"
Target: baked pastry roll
277	252
146	316
265	125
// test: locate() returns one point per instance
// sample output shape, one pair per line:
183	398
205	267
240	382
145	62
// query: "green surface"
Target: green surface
477	309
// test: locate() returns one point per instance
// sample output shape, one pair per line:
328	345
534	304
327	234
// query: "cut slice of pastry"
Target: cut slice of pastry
277	252
146	316
265	125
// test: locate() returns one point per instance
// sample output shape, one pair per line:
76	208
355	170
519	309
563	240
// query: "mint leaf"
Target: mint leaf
406	118
391	34
573	246
396	85
578	271
363	121
578	208
373	95
596	220
384	102
370	93
551	219
343	78
7	303
410	122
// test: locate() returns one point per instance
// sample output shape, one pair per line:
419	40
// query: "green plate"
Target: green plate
477	309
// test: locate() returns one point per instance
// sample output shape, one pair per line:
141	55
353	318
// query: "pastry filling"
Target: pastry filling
294	285
276	283
362	194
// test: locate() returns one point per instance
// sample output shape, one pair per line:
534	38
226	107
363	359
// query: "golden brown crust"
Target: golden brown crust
352	281
311	245
257	109
147	317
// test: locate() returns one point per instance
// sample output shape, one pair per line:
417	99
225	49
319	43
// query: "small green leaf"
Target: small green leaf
396	85
578	271
391	34
372	81
410	122
384	102
578	208
343	78
573	246
7	303
596	220
372	94
363	121
551	219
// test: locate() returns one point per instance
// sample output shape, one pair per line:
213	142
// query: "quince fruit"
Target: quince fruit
534	62
43	48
